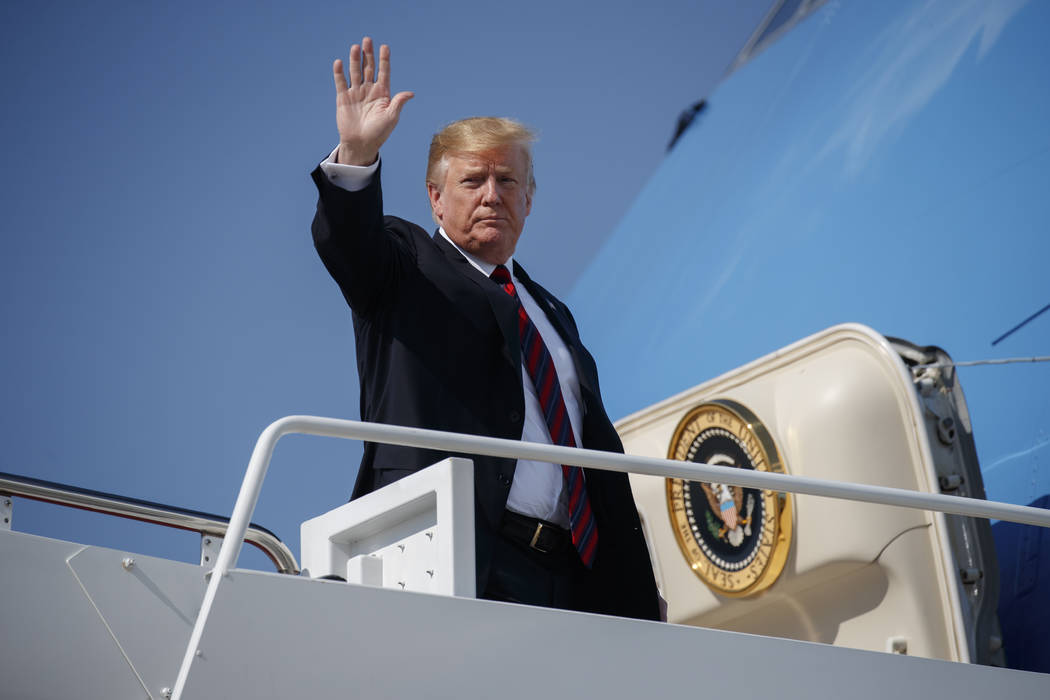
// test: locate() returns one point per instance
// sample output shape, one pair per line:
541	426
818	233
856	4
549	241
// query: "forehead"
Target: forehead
511	158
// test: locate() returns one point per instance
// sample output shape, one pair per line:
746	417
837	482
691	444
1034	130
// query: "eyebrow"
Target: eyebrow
500	169
471	171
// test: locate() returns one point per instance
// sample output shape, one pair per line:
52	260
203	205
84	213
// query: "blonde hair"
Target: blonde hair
474	135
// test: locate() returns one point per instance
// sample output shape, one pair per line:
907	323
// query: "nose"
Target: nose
490	191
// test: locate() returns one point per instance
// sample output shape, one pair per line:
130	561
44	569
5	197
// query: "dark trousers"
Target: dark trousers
521	574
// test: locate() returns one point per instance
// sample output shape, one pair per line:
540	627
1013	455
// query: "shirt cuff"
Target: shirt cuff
351	178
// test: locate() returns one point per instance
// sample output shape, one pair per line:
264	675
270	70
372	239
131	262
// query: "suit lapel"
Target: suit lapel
503	306
505	310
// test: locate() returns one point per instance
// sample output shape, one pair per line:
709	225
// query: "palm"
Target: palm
365	112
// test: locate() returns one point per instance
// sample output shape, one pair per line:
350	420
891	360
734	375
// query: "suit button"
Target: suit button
503	479
514	416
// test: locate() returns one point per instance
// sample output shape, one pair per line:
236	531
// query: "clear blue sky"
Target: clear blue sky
160	296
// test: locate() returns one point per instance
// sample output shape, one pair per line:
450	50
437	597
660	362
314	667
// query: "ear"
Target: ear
528	202
437	207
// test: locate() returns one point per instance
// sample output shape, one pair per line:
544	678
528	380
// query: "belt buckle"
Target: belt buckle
535	539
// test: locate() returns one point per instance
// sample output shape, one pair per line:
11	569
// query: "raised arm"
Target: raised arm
364	111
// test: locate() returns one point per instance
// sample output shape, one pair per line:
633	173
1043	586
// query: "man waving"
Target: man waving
452	334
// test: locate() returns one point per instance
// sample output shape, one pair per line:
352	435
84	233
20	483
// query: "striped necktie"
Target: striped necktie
540	366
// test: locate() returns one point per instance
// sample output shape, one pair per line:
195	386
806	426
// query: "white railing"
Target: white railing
496	447
205	524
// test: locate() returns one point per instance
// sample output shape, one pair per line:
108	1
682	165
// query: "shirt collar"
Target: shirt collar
485	268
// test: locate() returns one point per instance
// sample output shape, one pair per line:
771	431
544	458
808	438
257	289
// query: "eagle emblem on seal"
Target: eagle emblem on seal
735	539
727	503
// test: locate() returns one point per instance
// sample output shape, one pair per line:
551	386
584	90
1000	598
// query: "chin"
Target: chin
489	238
490	231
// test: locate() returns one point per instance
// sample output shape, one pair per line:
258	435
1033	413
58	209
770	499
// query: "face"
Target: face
484	200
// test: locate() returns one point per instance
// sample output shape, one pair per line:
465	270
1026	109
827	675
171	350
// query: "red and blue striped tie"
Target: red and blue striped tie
540	366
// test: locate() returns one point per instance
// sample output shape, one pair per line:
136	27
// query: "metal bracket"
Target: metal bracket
897	645
210	546
958	473
6	511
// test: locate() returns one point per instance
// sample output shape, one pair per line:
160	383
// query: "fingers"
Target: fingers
363	66
370	59
340	79
399	100
384	67
355	66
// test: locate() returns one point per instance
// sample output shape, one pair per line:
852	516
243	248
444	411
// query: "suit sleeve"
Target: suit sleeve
365	256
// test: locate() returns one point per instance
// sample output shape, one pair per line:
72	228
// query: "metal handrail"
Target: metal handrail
515	449
148	512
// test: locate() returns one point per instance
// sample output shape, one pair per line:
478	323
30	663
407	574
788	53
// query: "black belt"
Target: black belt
534	533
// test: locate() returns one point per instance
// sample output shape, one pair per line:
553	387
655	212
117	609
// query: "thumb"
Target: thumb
399	100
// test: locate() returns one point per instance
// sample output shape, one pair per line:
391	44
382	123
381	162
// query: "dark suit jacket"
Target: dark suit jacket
437	347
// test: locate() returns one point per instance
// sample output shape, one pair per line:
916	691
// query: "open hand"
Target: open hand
364	112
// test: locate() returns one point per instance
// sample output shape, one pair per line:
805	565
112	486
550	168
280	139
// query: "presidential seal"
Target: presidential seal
735	539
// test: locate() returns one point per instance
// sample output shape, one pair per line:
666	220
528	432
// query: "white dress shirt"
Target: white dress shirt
539	487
